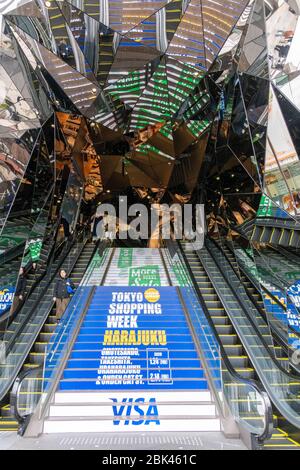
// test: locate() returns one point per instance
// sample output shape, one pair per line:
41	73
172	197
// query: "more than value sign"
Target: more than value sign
144	276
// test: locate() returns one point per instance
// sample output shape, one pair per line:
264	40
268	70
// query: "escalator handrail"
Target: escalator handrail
288	254
15	392
36	303
12	253
276	280
58	371
5	390
282	222
267	433
254	281
252	322
54	253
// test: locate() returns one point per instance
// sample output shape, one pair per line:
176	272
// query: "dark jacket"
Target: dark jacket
60	290
21	285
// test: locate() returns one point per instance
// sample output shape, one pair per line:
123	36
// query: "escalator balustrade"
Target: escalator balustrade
36	356
281	439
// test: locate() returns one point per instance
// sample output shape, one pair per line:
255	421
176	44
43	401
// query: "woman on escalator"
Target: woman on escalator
63	290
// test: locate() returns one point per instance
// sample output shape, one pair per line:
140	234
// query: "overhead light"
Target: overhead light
94	90
48	4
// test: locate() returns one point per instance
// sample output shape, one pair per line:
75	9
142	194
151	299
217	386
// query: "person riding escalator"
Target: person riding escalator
63	290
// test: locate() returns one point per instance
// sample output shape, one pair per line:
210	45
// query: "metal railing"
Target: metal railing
59	348
24	330
237	398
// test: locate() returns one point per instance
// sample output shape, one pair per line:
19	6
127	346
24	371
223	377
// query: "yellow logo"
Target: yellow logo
152	295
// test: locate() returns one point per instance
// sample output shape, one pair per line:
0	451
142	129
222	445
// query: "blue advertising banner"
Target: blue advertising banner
293	306
134	338
6	298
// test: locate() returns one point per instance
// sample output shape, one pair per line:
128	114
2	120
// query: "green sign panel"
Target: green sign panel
125	258
145	276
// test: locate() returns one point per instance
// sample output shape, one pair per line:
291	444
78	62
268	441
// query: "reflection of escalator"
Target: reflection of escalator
268	272
230	340
285	266
13	259
278	232
208	278
255	292
35	355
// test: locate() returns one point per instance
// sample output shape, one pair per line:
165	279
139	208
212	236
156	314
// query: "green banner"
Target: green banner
265	207
145	276
125	258
293	275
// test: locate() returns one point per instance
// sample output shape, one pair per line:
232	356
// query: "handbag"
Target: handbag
70	289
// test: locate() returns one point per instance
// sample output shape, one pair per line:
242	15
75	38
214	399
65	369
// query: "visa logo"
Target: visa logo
143	413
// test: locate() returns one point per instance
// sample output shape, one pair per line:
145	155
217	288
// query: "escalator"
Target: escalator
83	390
209	278
40	327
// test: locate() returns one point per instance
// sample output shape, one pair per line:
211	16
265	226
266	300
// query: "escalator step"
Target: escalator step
45	337
8	425
37	358
40	347
29	366
5	411
224	329
228	339
49	327
233	349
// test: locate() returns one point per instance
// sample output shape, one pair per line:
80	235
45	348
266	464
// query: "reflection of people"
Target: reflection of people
66	226
20	291
62	292
246	209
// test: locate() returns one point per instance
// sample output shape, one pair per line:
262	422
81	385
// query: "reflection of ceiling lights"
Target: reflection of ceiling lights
48	4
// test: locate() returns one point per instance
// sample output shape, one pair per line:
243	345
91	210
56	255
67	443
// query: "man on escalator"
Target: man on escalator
63	290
